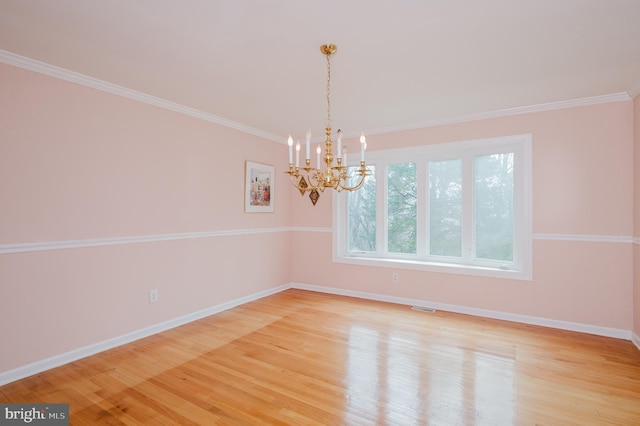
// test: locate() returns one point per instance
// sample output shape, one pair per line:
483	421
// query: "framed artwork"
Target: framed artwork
258	188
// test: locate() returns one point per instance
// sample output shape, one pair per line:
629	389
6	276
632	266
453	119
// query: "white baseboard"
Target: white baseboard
58	360
636	340
563	325
65	358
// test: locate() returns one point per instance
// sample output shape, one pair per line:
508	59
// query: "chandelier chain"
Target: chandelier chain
328	90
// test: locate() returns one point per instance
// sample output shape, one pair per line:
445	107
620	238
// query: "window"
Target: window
362	216
445	208
460	207
401	208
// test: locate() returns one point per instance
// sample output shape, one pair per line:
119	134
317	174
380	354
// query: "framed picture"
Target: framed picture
258	188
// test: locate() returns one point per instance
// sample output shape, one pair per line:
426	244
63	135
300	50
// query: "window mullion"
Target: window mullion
422	190
468	217
381	209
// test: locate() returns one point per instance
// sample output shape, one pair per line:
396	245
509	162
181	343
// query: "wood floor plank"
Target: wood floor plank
305	358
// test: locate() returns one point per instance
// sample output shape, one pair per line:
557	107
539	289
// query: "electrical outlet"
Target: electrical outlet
153	296
394	277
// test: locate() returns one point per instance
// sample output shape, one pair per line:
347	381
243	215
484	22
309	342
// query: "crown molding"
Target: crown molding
81	79
573	103
104	86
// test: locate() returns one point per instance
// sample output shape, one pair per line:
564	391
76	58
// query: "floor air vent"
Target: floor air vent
423	309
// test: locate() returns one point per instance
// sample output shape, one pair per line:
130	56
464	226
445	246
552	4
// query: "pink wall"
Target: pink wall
78	164
582	184
636	217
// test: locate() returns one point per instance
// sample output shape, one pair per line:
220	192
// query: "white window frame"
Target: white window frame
520	268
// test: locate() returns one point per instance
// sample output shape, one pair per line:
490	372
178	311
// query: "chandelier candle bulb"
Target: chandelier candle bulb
339	142
297	154
290	143
363	145
318	151
309	144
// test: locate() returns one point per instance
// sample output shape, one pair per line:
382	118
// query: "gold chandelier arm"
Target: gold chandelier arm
295	182
314	182
362	171
310	176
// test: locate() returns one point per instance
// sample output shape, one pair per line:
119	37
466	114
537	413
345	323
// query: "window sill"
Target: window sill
447	268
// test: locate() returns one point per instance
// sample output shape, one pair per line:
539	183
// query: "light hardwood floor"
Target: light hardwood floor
307	358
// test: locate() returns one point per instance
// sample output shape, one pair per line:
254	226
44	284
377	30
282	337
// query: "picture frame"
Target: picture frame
259	188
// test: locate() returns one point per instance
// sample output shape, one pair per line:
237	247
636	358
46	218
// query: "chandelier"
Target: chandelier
331	174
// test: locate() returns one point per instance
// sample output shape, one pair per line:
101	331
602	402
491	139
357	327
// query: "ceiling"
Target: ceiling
400	64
